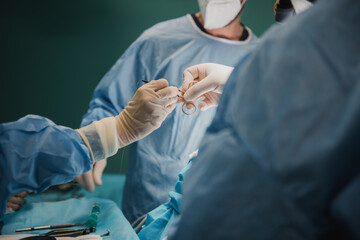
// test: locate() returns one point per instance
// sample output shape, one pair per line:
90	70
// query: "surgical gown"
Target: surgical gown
36	154
160	220
281	159
163	51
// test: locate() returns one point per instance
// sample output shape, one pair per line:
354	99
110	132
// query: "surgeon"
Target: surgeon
281	158
165	50
35	153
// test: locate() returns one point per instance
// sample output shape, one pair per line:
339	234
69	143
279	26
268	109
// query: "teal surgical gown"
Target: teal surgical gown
161	219
35	154
282	158
163	51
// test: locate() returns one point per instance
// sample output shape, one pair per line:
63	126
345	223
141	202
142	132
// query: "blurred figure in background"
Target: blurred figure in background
280	160
286	8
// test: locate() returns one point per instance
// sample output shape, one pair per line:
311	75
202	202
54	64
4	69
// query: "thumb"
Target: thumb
86	181
98	171
199	89
187	79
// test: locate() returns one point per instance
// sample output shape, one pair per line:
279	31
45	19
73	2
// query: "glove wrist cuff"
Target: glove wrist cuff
126	132
101	137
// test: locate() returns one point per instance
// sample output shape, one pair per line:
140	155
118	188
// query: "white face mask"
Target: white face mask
219	13
300	5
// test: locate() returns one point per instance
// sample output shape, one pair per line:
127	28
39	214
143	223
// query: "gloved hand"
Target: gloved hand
144	113
93	177
14	203
205	80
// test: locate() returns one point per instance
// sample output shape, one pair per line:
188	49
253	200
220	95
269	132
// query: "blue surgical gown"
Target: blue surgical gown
35	154
282	158
163	51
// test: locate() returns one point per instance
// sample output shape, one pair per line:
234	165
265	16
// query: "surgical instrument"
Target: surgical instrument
65	225
184	104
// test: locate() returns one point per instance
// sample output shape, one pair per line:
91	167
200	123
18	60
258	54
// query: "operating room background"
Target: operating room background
54	53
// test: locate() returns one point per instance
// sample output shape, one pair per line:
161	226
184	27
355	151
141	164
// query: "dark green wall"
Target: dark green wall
53	53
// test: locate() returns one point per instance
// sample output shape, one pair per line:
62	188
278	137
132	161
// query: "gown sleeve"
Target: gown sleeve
35	154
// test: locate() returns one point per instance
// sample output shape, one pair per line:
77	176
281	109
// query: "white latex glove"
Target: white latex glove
14	203
144	113
93	177
205	80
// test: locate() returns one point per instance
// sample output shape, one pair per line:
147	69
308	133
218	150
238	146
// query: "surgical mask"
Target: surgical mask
219	13
300	5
